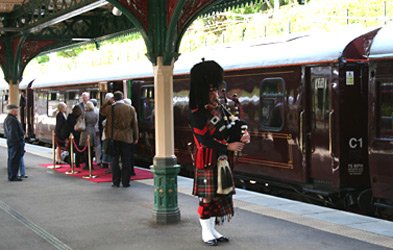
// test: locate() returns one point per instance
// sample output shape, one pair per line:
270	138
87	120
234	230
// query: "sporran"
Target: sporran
225	184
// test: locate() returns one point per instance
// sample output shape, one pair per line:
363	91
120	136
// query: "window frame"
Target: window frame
49	101
4	101
380	133
141	114
272	97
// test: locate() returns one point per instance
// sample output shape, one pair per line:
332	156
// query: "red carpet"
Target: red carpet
140	174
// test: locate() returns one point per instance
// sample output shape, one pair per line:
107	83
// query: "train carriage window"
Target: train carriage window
72	99
146	113
320	102
53	101
272	95
4	102
72	96
385	98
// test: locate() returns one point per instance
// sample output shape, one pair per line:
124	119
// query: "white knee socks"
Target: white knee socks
216	234
206	229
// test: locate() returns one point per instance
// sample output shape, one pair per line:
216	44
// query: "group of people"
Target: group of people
65	125
116	125
111	132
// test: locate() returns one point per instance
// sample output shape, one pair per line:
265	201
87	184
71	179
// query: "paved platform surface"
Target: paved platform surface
49	210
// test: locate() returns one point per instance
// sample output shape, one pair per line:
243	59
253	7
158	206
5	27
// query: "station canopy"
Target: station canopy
76	21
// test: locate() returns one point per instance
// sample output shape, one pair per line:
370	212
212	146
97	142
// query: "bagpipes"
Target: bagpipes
228	123
231	128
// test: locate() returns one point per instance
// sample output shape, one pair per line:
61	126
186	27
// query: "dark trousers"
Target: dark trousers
125	151
15	154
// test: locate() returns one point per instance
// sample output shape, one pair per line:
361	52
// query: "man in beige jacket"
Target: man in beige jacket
125	136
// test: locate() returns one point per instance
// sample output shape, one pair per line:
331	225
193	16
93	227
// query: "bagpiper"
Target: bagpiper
211	125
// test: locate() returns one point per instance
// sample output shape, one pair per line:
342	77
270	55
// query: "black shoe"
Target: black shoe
16	179
115	185
211	242
23	176
126	186
223	239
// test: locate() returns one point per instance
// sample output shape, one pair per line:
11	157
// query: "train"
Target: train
318	108
380	115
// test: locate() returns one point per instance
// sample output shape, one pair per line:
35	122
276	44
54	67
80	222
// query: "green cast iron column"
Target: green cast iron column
164	166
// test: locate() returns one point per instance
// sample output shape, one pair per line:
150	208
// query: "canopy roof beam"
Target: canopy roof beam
37	14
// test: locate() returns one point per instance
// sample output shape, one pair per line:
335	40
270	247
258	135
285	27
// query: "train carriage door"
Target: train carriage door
352	121
30	110
318	129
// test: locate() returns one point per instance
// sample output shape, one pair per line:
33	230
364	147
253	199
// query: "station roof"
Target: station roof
6	6
75	21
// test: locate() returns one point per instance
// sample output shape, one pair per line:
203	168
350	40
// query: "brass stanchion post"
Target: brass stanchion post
54	152
90	176
72	156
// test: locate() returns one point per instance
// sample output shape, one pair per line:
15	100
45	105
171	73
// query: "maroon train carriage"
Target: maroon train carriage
3	103
303	100
381	119
26	113
50	90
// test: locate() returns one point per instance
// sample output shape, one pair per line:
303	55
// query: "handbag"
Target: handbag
110	143
225	183
80	124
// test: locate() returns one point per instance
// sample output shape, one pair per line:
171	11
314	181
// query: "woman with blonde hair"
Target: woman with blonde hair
61	131
91	119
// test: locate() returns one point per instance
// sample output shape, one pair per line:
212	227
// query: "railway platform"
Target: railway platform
50	210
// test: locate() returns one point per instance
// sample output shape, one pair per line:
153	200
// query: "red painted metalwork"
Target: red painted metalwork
191	7
15	44
139	8
33	48
171	6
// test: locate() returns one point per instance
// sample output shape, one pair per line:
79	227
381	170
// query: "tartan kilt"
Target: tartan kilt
222	208
205	183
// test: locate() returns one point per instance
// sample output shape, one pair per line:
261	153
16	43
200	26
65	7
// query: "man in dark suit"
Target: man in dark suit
15	142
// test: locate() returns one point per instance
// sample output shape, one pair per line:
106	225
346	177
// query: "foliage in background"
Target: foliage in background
42	59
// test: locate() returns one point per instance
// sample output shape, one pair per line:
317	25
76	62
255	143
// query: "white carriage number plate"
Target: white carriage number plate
350	76
355	169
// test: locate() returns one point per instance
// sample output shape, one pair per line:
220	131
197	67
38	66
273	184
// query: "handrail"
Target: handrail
301	132
331	132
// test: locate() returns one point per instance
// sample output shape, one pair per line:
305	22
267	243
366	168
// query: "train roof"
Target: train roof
382	46
22	85
311	49
25	82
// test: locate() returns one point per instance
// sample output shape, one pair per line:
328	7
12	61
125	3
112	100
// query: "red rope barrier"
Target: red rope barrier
78	149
